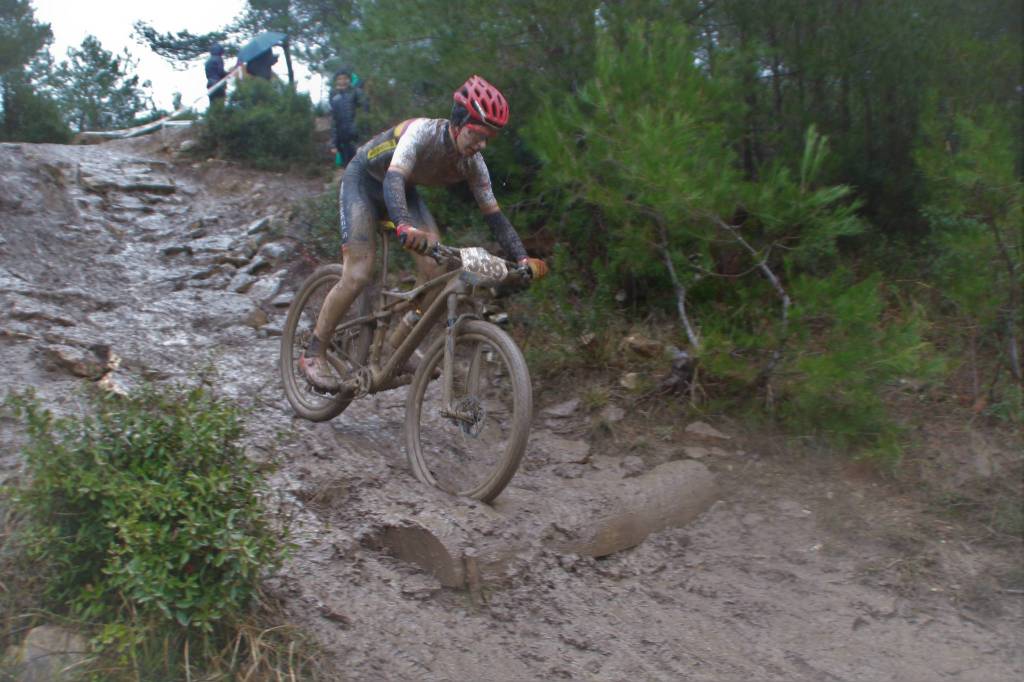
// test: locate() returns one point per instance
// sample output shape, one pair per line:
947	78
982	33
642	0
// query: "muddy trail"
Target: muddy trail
122	263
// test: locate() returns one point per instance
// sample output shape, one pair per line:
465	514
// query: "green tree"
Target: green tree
655	194
975	208
98	90
27	113
21	36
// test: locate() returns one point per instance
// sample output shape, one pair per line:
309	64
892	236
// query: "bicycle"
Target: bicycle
470	402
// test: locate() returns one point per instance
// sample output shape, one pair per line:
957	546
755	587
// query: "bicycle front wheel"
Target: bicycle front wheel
347	349
471	446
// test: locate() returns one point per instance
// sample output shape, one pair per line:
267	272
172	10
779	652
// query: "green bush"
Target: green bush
30	116
318	218
264	123
849	348
650	179
975	211
145	512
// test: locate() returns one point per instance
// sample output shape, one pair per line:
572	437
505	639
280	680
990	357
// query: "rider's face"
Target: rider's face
471	140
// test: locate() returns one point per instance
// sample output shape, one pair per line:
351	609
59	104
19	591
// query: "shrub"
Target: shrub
144	512
851	348
664	214
975	210
264	123
318	218
32	116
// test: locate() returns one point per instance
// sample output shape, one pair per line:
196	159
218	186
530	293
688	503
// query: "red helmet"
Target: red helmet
484	102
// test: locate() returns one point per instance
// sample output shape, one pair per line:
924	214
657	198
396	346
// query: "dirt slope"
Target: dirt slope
120	255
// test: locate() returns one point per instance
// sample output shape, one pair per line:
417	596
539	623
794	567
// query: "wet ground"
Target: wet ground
119	261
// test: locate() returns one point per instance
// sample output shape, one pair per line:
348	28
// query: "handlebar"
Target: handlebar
518	276
452	257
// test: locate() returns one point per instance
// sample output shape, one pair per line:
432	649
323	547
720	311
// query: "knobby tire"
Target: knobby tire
484	345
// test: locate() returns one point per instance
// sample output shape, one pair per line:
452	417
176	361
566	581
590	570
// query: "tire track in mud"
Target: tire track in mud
756	588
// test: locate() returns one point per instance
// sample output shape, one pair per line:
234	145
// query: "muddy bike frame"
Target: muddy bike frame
454	287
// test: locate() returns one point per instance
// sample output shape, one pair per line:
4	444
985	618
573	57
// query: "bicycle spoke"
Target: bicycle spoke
464	443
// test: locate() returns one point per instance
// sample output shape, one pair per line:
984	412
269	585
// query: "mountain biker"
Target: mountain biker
381	180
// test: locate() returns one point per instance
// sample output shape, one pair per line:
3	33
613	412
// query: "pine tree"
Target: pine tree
98	89
28	114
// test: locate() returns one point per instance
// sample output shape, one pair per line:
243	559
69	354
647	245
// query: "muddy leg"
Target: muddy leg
359	267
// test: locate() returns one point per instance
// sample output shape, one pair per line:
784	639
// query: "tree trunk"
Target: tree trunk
288	62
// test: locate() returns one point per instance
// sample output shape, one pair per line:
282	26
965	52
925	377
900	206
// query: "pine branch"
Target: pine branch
762	265
677	286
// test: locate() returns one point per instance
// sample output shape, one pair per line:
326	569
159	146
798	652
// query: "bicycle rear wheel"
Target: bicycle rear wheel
473	446
348	348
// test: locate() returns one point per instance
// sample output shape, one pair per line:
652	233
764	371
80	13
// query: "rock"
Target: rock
206	273
214	244
283	300
258	265
241	282
680	376
30	310
177	249
113	384
128	177
266	288
695	451
235	260
566	409
277	251
49	653
78	361
632	465
221	280
245	248
706	431
187	146
641	345
256	318
700	452
261	225
630	381
558	450
612	414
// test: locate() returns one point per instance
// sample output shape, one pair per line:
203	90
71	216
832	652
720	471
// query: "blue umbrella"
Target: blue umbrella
259	45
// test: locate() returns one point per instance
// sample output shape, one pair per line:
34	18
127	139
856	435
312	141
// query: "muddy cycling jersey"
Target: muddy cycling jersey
420	151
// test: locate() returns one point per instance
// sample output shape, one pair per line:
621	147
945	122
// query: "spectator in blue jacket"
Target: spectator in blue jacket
344	102
215	72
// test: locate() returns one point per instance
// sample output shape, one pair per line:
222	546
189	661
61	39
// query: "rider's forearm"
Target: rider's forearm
506	235
394	198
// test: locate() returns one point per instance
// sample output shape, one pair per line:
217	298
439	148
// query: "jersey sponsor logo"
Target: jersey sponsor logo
382	148
388	145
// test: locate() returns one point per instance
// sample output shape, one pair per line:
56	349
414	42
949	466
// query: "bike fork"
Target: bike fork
449	352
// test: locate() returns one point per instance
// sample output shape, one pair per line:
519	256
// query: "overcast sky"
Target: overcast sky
111	22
